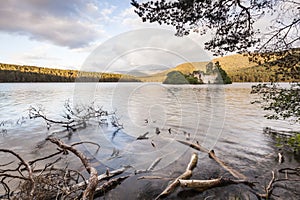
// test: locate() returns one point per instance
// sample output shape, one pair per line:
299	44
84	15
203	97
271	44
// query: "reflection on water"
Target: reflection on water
219	117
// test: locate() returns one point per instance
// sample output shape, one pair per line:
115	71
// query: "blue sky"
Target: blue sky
62	34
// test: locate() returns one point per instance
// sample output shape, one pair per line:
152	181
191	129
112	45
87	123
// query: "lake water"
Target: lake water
218	117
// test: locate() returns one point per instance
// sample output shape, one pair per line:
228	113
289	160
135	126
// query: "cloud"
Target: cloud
70	23
130	19
35	54
151	48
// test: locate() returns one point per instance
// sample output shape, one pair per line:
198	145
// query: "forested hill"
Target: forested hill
240	69
21	73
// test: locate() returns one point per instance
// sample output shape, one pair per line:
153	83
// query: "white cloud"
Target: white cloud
156	48
37	53
69	23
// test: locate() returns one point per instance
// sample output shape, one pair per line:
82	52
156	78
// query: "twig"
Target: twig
29	170
212	155
143	137
186	175
269	188
150	168
194	146
87	142
153	177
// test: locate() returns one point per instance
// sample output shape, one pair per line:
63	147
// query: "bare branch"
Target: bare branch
93	180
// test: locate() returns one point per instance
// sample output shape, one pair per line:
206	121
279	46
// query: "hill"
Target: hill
237	66
184	68
240	69
234	62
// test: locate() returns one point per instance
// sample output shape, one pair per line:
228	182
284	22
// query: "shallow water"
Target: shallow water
219	117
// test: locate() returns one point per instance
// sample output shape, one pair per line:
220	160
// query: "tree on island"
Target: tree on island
222	76
177	77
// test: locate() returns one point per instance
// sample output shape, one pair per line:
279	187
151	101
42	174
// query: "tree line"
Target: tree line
22	73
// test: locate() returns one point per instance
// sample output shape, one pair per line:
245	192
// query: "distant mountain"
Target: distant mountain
184	68
145	70
135	73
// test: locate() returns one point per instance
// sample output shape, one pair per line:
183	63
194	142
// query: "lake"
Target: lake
218	117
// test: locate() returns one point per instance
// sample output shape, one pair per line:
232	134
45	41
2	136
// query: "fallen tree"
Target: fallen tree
23	181
76	117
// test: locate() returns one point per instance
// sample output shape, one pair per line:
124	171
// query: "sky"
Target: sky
63	34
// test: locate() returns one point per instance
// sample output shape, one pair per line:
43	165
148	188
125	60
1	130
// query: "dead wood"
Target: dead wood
212	155
234	173
270	187
101	177
280	133
295	171
29	177
153	177
150	168
194	146
109	185
280	158
93	180
143	137
202	185
86	142
76	117
186	175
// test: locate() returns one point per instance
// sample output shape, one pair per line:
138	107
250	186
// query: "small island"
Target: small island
214	74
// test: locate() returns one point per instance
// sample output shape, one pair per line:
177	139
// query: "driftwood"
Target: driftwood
111	184
280	158
143	137
50	182
186	175
270	187
76	117
212	155
93	180
281	133
150	168
101	177
29	178
153	177
234	173
202	185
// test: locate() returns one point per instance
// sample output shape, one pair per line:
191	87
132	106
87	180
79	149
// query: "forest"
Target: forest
22	73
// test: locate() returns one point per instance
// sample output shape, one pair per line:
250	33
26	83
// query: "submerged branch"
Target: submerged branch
202	185
186	175
212	155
